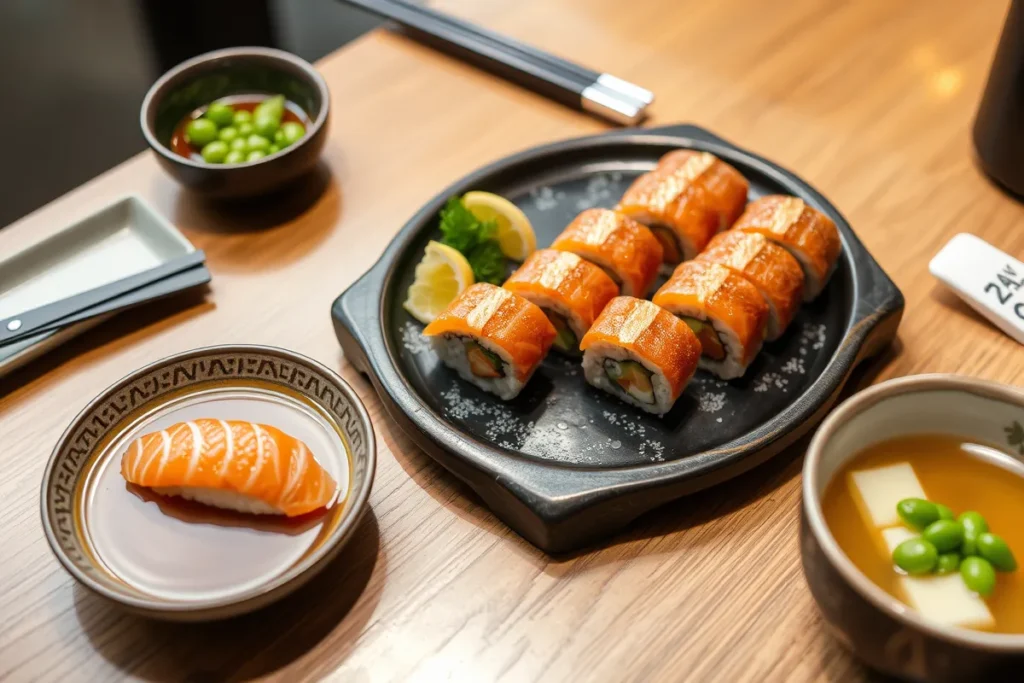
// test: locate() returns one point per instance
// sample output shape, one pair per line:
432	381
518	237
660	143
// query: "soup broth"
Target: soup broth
951	473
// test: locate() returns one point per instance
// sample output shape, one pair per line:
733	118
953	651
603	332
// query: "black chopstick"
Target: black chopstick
187	279
90	303
551	76
587	77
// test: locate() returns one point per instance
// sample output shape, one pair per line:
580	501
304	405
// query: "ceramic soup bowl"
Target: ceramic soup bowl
877	628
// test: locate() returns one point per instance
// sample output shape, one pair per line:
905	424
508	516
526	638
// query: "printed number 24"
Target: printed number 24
1010	284
1004	297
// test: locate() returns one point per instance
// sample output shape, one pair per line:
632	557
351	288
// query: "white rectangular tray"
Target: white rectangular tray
121	239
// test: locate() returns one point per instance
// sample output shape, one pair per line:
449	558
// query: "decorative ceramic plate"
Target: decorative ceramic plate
172	559
563	463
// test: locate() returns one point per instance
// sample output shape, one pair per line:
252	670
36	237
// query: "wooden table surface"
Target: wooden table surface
871	101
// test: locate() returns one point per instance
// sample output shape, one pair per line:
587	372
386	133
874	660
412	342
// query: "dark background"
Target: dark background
73	74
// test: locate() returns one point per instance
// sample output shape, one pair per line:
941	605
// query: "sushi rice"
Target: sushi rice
729	367
451	348
595	372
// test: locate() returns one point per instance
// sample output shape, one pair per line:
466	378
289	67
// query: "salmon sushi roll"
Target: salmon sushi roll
492	338
767	266
726	312
806	233
626	250
686	200
231	464
640	353
571	291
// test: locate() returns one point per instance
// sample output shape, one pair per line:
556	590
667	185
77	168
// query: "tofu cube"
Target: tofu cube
947	600
878	490
895	535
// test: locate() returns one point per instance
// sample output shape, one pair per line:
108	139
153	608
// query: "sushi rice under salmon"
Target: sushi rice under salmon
230	464
493	338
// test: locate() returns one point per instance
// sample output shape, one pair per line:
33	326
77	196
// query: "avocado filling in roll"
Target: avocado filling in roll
710	343
669	244
632	377
565	338
484	363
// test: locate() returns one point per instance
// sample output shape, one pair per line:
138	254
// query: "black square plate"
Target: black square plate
563	463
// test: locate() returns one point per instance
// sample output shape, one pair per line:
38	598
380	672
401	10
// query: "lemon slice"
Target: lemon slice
440	277
515	234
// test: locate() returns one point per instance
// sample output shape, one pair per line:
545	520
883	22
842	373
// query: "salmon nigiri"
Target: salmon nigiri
230	464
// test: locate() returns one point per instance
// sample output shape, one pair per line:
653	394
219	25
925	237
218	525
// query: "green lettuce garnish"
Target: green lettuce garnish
475	239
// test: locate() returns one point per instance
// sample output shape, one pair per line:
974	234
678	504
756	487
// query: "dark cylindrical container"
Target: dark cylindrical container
999	126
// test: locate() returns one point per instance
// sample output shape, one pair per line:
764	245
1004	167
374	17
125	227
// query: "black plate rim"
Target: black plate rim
554	491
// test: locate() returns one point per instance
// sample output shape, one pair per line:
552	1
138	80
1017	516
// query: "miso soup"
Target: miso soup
951	471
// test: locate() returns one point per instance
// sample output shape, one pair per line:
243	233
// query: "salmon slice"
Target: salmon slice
571	291
506	320
709	291
687	199
767	266
806	233
232	464
651	333
627	251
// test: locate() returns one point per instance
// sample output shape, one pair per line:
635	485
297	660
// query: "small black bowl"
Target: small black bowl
238	70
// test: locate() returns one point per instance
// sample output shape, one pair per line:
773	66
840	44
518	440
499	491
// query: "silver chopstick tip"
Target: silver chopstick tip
612	105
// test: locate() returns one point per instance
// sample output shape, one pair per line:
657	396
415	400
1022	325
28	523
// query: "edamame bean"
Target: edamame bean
272	106
201	132
266	126
245	129
947	563
220	113
228	134
273	149
240	144
258	143
994	549
973	520
242	116
970	545
293	131
235	156
915	556
945	512
215	152
279	139
944	534
267	116
974	525
978	575
917	512
255	155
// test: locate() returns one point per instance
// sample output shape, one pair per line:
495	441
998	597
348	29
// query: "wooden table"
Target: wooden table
871	101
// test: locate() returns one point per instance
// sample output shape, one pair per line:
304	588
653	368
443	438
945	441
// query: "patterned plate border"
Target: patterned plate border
199	367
